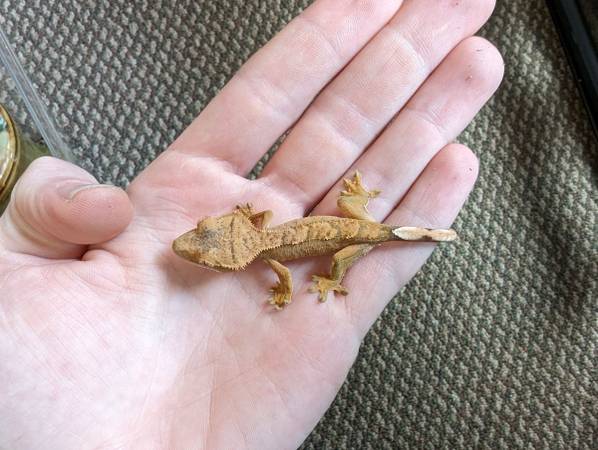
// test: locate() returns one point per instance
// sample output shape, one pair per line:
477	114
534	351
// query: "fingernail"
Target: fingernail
70	190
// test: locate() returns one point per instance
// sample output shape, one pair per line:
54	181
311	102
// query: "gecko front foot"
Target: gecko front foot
281	295
246	209
322	285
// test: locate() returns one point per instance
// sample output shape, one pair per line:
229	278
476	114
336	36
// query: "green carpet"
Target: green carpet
493	344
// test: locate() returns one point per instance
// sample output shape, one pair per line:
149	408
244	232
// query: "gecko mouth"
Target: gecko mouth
178	248
181	246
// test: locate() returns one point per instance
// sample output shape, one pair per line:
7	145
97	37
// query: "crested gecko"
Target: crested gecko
232	241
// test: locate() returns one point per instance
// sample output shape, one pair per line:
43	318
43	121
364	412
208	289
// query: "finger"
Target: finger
276	85
440	110
57	209
360	102
433	202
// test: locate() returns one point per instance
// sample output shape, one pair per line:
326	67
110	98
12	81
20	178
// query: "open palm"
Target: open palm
109	340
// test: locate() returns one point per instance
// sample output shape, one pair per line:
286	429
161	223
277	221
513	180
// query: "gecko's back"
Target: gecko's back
321	235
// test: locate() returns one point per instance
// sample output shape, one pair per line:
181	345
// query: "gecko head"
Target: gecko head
214	243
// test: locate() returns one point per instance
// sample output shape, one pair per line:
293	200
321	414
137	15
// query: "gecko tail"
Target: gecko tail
424	234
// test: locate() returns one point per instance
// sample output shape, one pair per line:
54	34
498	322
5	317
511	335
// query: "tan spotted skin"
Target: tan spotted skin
320	235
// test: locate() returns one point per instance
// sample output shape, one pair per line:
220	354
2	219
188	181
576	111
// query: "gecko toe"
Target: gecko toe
280	296
323	285
356	188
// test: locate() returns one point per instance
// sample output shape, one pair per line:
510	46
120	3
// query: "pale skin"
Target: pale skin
109	340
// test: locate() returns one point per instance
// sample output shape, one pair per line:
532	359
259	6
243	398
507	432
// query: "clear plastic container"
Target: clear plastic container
121	80
21	104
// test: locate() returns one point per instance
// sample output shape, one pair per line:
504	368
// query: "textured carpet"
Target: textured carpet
493	344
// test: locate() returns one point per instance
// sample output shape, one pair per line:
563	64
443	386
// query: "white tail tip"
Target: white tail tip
424	234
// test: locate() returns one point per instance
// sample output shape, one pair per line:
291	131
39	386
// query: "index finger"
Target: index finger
276	85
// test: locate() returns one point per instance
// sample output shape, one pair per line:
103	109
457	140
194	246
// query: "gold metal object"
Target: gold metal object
16	153
10	155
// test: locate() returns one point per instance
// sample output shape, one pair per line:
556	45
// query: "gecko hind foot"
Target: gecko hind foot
281	296
322	285
355	188
354	199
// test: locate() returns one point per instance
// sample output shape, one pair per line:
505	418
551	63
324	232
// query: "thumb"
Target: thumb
57	209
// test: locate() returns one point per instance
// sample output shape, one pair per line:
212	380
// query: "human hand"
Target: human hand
108	340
